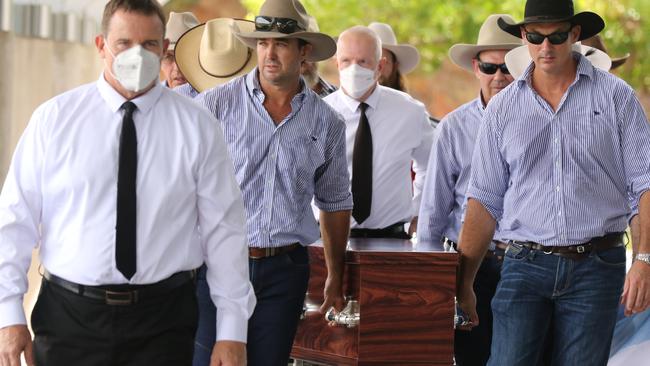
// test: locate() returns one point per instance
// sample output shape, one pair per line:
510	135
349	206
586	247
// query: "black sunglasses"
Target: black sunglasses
283	25
490	69
555	38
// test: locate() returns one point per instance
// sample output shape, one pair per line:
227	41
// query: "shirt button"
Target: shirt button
557	140
559	213
557	188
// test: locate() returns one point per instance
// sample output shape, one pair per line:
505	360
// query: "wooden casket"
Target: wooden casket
401	310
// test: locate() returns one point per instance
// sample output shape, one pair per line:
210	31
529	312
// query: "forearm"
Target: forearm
640	226
335	228
475	237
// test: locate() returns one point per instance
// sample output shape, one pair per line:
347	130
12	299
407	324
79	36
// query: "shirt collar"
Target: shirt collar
372	101
115	100
584	68
255	89
478	103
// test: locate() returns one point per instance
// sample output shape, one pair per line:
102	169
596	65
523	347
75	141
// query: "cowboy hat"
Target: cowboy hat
519	58
323	46
555	11
597	42
407	56
210	55
177	24
490	37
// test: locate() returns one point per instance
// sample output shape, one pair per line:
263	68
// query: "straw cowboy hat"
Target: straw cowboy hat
555	11
210	55
597	42
519	58
407	56
177	24
490	37
323	46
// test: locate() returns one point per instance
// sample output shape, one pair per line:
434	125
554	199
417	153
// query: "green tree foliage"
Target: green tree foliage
433	26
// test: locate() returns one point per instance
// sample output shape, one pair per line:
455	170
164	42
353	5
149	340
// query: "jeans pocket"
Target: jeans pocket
614	257
516	252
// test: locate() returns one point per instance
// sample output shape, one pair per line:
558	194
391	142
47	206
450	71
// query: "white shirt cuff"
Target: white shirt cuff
231	326
12	313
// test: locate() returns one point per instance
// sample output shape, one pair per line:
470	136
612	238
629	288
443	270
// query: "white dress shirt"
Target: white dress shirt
61	192
401	134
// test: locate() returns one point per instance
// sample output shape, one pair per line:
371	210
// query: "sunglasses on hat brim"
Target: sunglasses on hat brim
283	25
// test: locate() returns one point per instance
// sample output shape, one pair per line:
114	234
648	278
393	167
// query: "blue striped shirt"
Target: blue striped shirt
561	178
448	172
281	168
186	90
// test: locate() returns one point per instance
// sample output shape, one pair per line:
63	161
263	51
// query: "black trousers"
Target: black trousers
70	329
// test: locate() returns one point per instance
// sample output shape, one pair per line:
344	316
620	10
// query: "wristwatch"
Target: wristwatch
643	257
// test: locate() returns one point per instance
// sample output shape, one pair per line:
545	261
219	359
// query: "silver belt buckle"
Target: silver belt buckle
580	249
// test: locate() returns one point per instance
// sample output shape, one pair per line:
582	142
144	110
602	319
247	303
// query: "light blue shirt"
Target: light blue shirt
186	90
561	178
280	168
443	196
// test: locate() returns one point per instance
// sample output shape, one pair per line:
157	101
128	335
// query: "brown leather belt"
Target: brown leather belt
578	251
259	253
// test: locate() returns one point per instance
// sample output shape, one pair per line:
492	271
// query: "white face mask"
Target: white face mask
135	68
357	80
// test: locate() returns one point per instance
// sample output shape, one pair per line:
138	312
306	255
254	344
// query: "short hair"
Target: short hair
360	29
144	7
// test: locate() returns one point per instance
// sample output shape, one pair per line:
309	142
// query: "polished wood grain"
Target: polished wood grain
406	296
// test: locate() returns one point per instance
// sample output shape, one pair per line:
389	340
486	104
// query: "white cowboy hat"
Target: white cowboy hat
519	58
407	56
209	54
323	46
177	24
490	37
597	42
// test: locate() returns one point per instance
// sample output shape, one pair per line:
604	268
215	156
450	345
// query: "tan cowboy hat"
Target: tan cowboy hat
177	24
518	59
209	54
597	42
490	37
323	46
407	56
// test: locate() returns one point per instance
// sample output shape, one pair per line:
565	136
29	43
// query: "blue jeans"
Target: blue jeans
472	348
280	284
579	298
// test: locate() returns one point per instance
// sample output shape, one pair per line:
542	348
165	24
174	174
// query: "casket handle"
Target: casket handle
348	317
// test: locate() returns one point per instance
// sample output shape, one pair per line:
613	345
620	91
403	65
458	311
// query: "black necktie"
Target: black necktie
362	168
125	249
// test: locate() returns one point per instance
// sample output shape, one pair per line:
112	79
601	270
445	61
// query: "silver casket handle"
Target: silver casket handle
348	317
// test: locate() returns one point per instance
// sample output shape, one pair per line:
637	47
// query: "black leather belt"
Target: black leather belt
395	231
123	295
578	251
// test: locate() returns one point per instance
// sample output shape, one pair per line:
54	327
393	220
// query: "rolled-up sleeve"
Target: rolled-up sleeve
635	144
332	180
222	222
489	178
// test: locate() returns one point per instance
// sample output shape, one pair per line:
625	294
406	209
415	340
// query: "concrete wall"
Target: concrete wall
31	72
